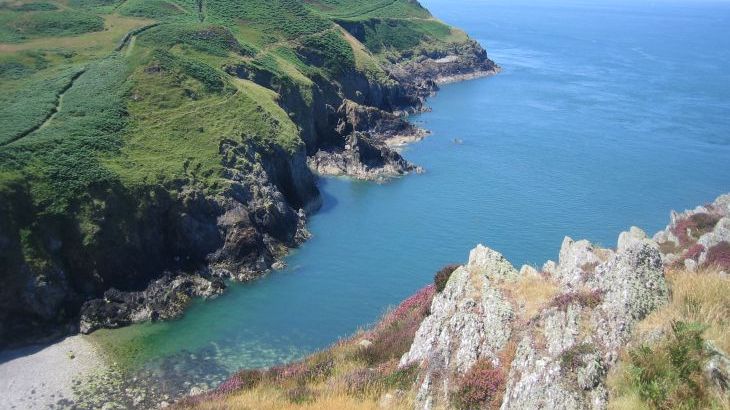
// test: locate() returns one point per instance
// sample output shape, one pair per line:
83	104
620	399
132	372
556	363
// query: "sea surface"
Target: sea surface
606	115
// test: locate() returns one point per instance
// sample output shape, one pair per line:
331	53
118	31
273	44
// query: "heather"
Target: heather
481	387
719	255
442	277
360	368
688	230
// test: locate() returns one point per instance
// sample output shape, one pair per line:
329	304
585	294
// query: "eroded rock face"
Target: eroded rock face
165	298
562	354
362	158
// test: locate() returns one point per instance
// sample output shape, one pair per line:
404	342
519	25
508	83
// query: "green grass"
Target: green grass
352	9
61	159
330	51
211	39
381	35
149	118
155	9
18	26
25	104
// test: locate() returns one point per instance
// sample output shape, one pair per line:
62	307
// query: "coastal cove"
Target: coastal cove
595	124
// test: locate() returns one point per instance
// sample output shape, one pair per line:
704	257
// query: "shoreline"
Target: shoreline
39	377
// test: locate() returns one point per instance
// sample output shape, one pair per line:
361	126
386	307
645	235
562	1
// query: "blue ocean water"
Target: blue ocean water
607	114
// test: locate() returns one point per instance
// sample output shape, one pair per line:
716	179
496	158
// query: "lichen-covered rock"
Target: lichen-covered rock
575	257
470	320
563	353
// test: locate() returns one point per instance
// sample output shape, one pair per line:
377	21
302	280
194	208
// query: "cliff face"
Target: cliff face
193	159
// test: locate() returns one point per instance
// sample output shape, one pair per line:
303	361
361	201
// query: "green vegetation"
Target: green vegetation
670	375
17	25
664	365
112	107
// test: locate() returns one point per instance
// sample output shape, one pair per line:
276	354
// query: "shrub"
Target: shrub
693	252
480	387
689	229
401	378
393	336
245	379
589	299
669	375
300	394
442	277
358	381
719	255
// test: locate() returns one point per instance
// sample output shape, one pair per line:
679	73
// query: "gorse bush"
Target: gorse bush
442	277
669	375
479	387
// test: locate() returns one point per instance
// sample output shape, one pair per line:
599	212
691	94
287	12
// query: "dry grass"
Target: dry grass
702	298
531	294
266	398
348	375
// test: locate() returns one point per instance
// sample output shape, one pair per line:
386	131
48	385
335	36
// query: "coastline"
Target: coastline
29	384
42	377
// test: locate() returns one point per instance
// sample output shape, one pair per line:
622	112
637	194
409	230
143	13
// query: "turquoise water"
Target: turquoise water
606	115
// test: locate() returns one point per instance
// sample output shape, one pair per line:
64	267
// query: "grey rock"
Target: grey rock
470	320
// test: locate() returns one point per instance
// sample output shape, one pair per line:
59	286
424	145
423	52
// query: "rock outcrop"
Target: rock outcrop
691	235
165	298
555	358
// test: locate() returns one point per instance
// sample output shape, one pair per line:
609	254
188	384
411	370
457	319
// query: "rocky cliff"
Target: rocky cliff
185	154
635	326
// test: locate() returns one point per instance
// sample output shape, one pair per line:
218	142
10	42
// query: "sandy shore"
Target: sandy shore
41	377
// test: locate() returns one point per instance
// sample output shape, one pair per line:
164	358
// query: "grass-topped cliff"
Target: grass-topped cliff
144	136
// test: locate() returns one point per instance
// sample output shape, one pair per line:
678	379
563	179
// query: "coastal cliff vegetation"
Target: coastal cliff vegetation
602	328
155	139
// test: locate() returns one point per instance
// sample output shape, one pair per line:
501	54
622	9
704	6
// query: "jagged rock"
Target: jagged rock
362	158
562	356
164	298
574	257
470	320
625	239
527	270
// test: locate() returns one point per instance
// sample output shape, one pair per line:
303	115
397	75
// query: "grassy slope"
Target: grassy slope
76	114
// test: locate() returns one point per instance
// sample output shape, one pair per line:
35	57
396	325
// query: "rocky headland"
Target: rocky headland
640	325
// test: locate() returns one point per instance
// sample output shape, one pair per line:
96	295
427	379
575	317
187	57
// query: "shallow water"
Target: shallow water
606	115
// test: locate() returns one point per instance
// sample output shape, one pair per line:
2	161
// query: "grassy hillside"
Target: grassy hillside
113	112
